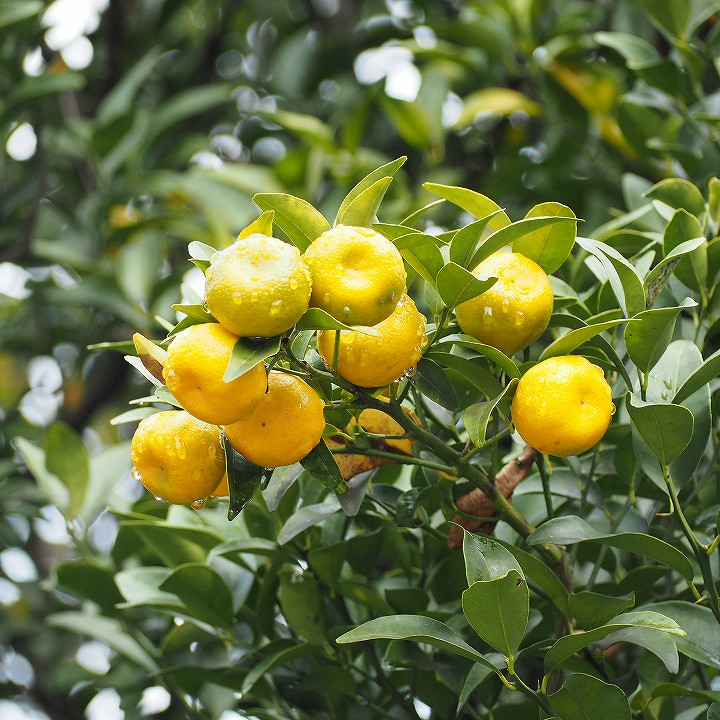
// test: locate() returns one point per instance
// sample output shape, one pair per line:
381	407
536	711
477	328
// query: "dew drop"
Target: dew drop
346	309
193	647
411	371
158	498
205	307
254	278
254	297
326	297
487	310
136	474
237	298
180	448
198	504
293	284
612	411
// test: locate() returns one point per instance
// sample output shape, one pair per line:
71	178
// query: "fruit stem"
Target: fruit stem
406	459
542	467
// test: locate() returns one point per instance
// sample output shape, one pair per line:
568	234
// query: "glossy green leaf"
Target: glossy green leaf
243	479
247	353
203	592
301	603
649	335
511	234
472	370
16	11
276	654
502	101
281	480
473	202
308	128
475	677
456	285
415	627
586	697
498	357
572	529
567	646
318	319
410	119
667	429
432	380
421	252
549	246
631	47
384	171
498	610
66	458
486	559
108	631
297	218
262	225
362	211
593	609
465	240
677	193
709	370
658	642
477	416
321	464
565	344
693	269
660	274
306	517
622	276
50	485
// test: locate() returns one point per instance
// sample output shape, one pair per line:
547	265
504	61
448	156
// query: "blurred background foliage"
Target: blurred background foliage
129	128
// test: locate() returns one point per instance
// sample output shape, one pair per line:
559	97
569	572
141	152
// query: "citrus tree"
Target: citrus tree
410	451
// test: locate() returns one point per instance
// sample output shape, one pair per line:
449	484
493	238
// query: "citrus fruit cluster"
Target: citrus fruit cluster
260	287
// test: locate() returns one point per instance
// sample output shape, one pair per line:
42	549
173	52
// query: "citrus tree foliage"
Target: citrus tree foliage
585	586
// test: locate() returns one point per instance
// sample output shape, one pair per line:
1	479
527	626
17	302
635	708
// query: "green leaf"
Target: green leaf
203	592
301	603
702	639
421	252
415	627
66	458
195	314
567	646
473	202
410	119
475	677
432	380
247	353
243	479
692	270
318	319
572	529
362	211
713	712
321	464
565	344
550	246
649	335
308	128
497	356
465	240
498	610
586	697
631	47
709	370
667	429
673	16
661	272
677	193
384	171
501	101
107	631
201	251
54	490
593	609
15	12
277	653
297	218
657	642
281	480
477	416
486	559
306	517
456	285
511	234
622	276
262	225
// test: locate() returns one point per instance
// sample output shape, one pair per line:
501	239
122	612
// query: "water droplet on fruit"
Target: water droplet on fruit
326	297
612	411
136	473
205	307
198	504
158	498
254	278
180	448
254	297
487	310
346	309
293	284
237	298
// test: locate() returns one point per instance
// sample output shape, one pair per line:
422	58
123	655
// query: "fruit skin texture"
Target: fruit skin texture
373	361
515	311
257	287
562	406
194	369
287	424
177	457
358	275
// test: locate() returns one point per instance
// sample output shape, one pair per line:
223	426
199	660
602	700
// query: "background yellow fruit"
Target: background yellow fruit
177	457
357	274
515	311
372	361
562	406
258	287
287	424
193	371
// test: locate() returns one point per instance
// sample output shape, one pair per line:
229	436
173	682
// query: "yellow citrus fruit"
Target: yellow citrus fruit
515	311
379	423
223	489
358	276
372	361
287	424
193	371
177	457
562	406
258	287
